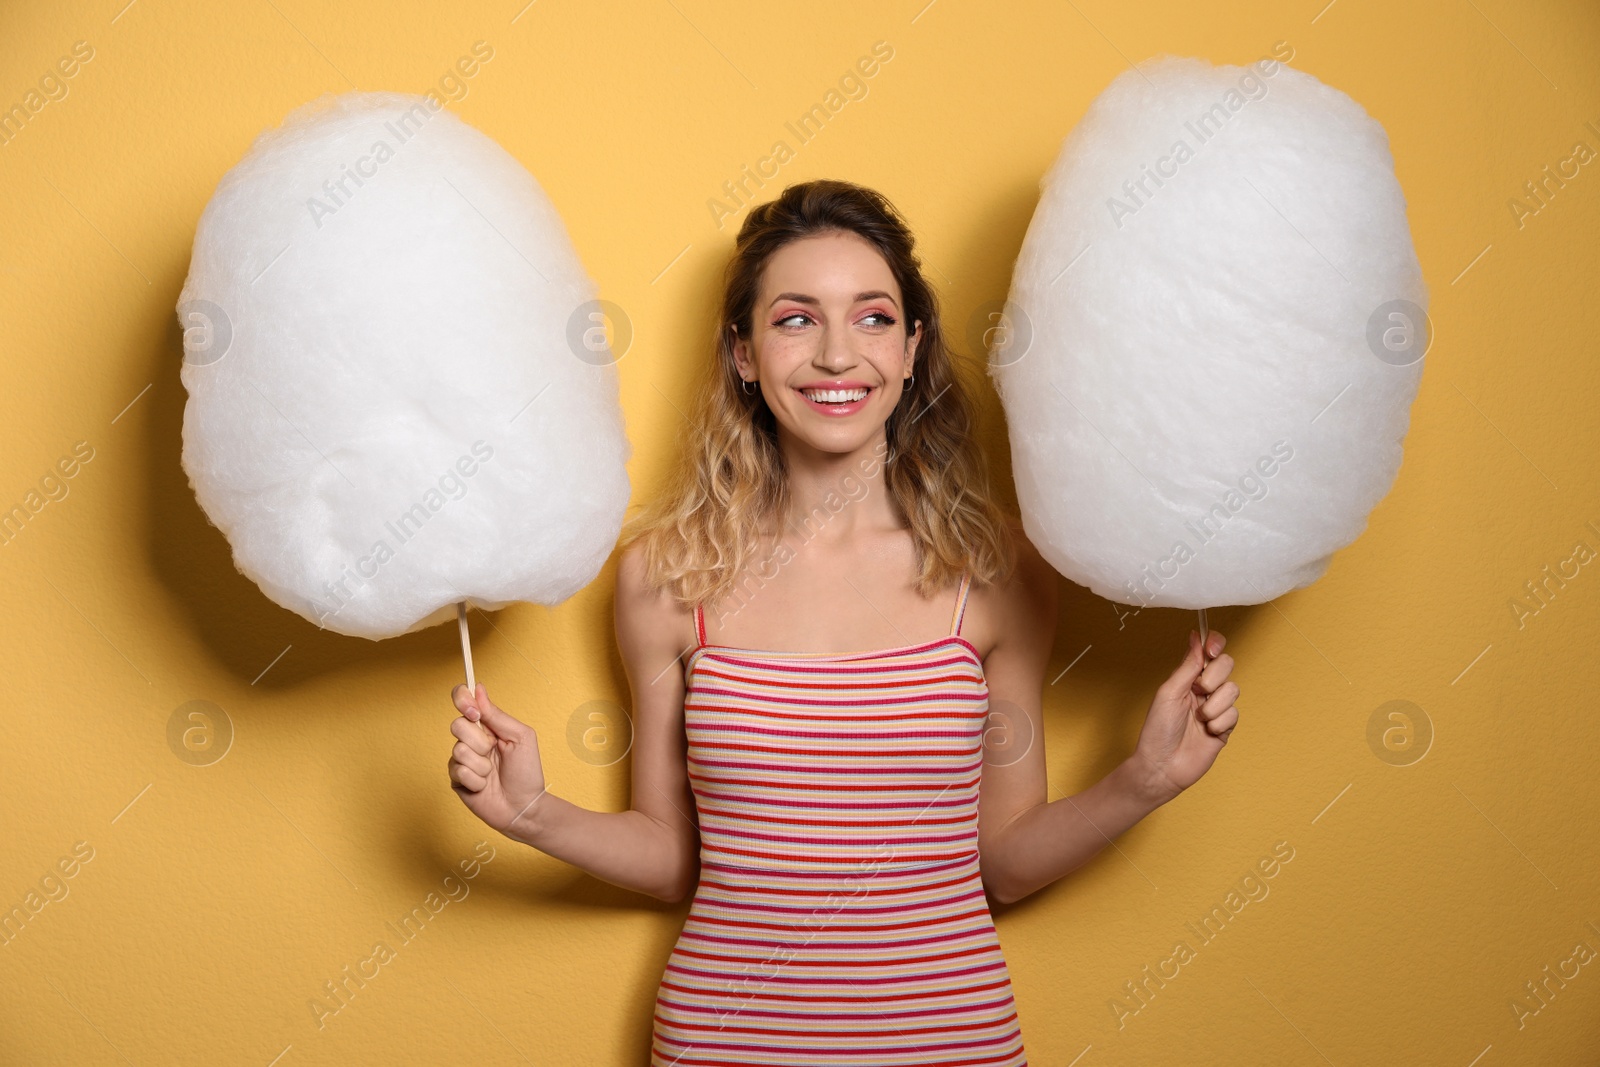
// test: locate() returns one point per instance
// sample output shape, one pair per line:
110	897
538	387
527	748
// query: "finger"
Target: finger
463	701
1223	724
463	755
1214	642
1219	702
473	734
502	724
1215	673
466	777
1184	676
470	710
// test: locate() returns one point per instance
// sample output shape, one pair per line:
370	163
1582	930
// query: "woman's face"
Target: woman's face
829	345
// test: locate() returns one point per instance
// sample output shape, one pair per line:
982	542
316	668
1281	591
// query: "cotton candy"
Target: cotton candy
400	394
1213	338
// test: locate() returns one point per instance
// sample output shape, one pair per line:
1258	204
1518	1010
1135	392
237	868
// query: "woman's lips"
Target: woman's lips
838	410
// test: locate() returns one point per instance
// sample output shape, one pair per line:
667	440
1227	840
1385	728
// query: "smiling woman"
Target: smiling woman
841	816
840	911
826	288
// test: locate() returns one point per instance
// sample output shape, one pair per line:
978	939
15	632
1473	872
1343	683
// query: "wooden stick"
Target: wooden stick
466	655
1204	633
466	647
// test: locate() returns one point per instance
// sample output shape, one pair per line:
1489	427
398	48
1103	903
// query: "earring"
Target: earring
911	380
745	385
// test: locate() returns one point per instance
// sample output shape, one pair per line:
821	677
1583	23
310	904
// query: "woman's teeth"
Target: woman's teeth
834	396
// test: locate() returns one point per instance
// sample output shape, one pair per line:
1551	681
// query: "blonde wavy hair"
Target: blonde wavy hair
717	512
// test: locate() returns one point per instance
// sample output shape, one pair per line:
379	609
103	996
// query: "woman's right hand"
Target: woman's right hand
494	766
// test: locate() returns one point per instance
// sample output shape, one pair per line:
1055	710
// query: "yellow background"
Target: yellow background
220	898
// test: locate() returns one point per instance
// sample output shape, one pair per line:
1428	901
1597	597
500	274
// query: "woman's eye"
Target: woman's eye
875	318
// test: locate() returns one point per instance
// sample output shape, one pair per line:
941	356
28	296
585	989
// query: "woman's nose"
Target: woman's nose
836	353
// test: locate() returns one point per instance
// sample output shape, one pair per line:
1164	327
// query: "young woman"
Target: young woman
836	644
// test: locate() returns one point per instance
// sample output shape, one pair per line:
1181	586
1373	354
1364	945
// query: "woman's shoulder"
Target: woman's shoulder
633	568
648	614
1028	568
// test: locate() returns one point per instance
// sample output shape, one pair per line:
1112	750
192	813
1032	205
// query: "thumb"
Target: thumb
497	721
1183	678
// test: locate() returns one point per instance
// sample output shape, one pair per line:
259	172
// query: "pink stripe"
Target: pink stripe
796	701
838	1016
953	800
800	980
809	664
880	735
706	866
760	943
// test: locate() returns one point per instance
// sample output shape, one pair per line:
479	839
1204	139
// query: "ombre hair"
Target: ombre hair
717	514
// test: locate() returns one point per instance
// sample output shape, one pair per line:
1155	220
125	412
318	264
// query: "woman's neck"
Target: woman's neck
837	494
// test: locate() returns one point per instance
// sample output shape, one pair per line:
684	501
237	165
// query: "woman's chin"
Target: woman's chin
842	439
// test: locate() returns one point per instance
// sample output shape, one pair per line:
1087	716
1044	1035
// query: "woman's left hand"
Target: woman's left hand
1189	721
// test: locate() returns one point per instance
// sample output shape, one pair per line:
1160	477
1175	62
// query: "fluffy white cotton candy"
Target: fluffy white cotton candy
1215	333
399	396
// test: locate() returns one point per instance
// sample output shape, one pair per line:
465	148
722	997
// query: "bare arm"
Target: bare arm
1027	841
653	847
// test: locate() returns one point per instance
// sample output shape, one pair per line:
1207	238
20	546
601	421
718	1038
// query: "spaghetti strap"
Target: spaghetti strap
699	626
960	609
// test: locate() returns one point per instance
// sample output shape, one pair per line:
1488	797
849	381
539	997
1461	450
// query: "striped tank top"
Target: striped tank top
840	917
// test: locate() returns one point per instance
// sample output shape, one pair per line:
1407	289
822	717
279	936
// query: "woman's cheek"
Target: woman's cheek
785	352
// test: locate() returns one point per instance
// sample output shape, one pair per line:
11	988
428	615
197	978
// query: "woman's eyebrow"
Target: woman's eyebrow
802	298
